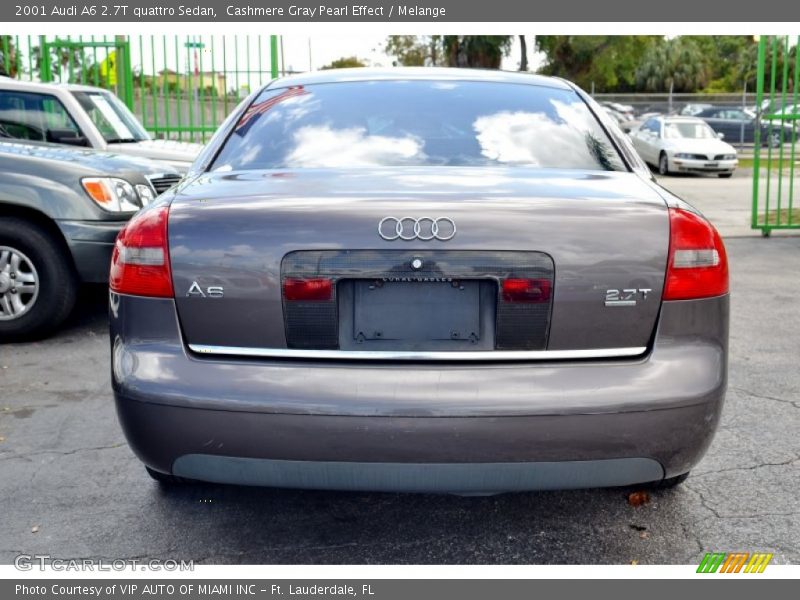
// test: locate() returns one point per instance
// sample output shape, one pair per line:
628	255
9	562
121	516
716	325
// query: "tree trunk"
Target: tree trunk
523	51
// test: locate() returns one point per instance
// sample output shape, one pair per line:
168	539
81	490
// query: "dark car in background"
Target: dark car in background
60	211
420	280
739	126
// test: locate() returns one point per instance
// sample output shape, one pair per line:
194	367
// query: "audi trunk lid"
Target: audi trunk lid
585	236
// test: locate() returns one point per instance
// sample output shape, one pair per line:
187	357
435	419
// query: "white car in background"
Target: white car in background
82	115
683	145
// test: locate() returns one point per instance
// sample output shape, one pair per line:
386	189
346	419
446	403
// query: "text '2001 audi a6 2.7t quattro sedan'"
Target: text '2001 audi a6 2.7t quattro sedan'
419	280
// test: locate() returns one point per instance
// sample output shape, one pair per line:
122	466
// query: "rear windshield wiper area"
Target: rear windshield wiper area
121	141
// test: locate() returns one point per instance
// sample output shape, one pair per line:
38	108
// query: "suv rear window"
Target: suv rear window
398	123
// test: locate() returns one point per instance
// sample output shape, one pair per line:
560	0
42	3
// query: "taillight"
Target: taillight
140	261
526	291
307	290
698	265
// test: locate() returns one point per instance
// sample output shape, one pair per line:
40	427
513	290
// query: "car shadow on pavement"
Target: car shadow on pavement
91	310
234	524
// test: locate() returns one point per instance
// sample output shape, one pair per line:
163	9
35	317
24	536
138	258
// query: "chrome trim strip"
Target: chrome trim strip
497	355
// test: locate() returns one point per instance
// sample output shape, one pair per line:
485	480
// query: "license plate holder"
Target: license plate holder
414	311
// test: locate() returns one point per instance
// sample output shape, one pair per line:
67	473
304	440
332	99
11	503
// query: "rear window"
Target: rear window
427	123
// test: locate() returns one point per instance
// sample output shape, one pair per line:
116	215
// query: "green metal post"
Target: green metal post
45	72
260	68
273	52
782	130
124	70
225	70
178	91
773	75
18	57
153	81
70	54
190	89
795	125
202	102
762	51
6	57
247	62
142	106
95	66
214	83
165	88
83	70
128	72
236	65
30	59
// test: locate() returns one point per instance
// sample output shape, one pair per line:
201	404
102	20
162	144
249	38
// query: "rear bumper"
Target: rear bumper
461	478
91	244
425	427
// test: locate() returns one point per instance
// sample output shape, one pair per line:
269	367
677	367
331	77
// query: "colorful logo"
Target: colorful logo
734	562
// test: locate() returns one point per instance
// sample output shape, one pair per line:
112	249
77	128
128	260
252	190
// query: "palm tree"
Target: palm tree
675	65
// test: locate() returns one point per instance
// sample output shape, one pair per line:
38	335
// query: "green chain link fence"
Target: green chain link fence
180	87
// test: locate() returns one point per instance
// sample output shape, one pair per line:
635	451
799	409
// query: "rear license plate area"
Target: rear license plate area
416	311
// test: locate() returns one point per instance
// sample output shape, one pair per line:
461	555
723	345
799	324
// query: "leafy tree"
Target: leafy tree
739	65
606	63
345	62
479	51
677	64
476	51
730	60
415	50
8	56
69	64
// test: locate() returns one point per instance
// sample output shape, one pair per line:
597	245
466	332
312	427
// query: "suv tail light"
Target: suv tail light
698	265
140	261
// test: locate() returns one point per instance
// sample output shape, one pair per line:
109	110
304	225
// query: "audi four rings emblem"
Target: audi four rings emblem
424	229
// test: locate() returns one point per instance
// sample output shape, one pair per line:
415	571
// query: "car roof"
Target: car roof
26	86
417	74
37	86
79	87
357	74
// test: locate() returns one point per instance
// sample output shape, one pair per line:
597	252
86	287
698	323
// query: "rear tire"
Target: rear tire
166	479
38	285
663	164
669	482
724	175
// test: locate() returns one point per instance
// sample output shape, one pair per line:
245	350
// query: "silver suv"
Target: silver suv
81	115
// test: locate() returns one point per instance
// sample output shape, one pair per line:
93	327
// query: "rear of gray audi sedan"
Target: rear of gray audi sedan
423	280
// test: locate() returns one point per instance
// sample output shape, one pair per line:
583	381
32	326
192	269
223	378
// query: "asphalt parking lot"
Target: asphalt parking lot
71	488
